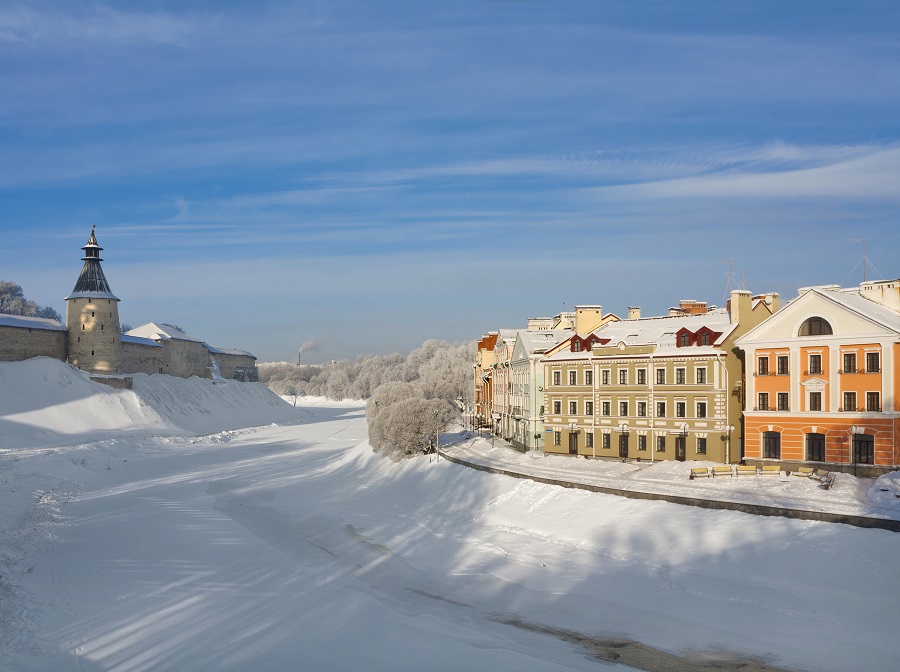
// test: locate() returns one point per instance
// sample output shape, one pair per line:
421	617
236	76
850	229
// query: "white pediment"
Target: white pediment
814	384
846	322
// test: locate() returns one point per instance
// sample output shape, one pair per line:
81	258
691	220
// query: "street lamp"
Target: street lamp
437	436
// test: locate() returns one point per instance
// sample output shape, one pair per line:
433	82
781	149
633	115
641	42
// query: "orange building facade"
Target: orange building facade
822	381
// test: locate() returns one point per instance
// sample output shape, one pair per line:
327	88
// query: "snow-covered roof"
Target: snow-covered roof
227	351
162	332
851	298
30	322
660	331
140	341
536	342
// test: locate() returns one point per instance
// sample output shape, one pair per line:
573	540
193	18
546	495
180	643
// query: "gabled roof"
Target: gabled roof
844	301
162	332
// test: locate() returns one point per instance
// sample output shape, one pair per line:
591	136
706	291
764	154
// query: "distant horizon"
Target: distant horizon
356	179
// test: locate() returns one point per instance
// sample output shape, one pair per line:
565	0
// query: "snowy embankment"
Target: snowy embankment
290	545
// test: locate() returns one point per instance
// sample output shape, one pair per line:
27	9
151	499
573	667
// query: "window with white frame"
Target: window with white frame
557	376
700	374
660	376
642	376
573	377
589	408
573	407
557	407
623	408
701	409
605	408
815	364
589	439
701	445
679	376
604	440
589	377
604	377
623	376
763	401
642	442
642	409
661	443
815	401
557	438
680	409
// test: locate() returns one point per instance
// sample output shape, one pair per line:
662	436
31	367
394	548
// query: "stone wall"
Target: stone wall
140	358
240	367
18	343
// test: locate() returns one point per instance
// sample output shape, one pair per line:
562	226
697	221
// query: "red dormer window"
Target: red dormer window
576	345
684	338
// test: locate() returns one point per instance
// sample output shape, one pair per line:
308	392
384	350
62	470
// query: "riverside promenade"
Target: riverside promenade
862	502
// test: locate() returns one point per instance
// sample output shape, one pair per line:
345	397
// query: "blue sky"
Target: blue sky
367	175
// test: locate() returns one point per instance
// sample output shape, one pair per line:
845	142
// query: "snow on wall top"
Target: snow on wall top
30	322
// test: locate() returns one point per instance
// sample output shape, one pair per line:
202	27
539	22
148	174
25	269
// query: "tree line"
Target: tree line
13	302
409	401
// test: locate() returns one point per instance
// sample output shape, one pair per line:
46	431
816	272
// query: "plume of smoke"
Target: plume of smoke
310	346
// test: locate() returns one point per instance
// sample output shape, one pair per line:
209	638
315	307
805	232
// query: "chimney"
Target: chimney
741	305
587	318
885	292
634	312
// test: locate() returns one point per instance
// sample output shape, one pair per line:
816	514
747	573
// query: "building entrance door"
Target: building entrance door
623	445
680	448
573	443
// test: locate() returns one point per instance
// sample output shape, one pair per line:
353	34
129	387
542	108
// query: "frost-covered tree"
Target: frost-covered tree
410	400
13	302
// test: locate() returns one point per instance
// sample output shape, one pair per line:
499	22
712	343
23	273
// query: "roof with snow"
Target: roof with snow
662	332
30	322
536	342
162	332
92	282
227	351
137	340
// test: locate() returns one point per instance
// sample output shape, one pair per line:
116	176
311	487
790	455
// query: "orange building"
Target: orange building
822	380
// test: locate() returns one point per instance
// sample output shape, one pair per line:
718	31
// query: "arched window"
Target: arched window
815	326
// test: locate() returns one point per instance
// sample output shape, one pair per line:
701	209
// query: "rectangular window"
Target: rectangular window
605	408
589	377
660	409
623	408
815	447
815	401
763	401
873	362
680	409
604	377
762	366
557	438
772	445
589	440
701	446
701	376
573	407
642	442
589	408
623	376
782	365
782	401
642	376
556	377
660	444
660	376
557	407
849	362
679	376
701	409
642	409
573	377
604	440
849	401
873	400
815	364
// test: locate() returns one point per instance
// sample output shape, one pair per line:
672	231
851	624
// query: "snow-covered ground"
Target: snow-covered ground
213	527
873	498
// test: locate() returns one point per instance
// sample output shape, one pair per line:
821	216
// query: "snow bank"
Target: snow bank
47	403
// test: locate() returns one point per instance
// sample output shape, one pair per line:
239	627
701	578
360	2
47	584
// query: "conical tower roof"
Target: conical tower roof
92	282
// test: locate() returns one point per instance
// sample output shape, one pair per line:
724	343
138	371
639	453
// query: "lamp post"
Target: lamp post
854	431
437	436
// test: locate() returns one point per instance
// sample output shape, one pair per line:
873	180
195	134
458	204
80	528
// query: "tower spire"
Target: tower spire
92	281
